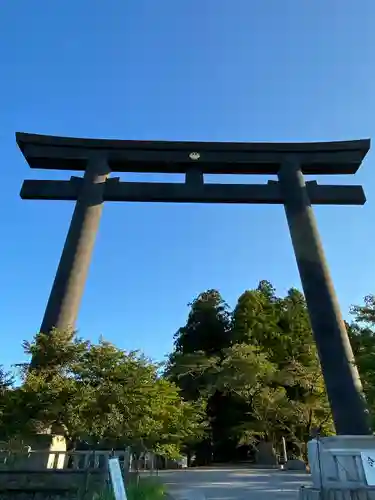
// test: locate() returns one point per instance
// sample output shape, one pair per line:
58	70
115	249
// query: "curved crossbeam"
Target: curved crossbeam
315	158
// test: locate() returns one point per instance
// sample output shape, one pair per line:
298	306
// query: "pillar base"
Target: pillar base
336	467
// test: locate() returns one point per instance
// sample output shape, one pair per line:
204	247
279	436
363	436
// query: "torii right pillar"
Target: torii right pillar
340	373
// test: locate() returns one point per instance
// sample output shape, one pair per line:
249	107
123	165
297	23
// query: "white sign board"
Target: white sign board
116	479
368	462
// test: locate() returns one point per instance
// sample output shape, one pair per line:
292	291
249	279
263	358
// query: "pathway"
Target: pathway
234	484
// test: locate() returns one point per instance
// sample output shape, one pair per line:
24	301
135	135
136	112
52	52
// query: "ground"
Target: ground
234	484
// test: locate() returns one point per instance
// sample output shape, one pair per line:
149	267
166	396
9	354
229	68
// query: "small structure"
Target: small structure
337	468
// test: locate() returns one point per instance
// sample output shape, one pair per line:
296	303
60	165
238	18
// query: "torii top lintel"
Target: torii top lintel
316	158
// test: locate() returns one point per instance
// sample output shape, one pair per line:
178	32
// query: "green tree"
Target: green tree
365	313
133	405
295	401
362	337
198	347
208	326
247	373
261	378
6	395
45	398
102	395
255	316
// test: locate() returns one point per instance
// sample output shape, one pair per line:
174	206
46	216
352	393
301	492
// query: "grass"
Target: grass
143	488
149	488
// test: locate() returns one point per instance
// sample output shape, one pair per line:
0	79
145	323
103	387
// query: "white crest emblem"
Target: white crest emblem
194	156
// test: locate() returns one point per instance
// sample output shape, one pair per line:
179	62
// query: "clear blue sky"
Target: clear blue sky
239	70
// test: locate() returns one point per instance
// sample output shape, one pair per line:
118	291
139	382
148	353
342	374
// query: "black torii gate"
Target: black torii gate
289	161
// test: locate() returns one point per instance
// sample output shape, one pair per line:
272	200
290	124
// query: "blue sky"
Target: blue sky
215	70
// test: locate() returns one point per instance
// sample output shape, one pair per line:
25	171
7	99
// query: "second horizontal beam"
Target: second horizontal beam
184	193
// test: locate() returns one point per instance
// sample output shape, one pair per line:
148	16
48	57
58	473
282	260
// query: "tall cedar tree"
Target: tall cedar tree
257	368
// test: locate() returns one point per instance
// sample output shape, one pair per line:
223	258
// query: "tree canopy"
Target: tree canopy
234	377
99	394
262	377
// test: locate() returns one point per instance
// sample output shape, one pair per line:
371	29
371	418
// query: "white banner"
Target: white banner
116	479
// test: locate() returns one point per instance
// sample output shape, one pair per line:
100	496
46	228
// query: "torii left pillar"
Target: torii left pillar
67	289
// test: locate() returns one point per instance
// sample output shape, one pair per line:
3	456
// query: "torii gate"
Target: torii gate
289	161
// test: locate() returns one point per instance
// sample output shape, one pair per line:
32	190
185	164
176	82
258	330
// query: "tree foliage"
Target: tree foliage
235	377
262	379
102	395
362	337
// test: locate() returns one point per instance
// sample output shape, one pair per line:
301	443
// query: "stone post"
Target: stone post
67	289
341	377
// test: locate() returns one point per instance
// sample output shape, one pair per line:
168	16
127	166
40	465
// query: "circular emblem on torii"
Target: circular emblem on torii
194	155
